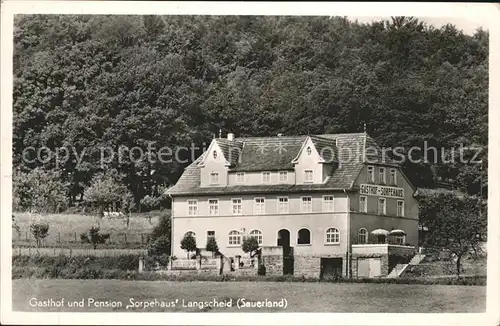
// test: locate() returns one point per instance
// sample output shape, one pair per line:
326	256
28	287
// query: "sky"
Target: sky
467	25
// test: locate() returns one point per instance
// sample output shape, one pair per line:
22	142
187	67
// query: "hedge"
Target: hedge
94	272
61	262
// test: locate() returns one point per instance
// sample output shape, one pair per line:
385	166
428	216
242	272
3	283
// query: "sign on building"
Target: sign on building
383	191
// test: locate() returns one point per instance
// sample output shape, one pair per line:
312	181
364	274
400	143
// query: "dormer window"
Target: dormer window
214	154
309	150
214	178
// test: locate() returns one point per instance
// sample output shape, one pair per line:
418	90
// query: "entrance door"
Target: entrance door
331	268
284	238
284	241
369	267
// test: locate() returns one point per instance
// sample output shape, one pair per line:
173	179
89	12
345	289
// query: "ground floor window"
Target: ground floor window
304	236
257	234
332	236
234	238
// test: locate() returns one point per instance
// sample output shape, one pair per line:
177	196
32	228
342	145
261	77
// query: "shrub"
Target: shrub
188	243
212	246
94	237
159	246
40	231
250	245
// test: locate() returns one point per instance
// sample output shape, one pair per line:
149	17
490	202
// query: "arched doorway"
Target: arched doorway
284	238
284	242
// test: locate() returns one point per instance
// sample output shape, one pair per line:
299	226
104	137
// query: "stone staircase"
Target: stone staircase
400	268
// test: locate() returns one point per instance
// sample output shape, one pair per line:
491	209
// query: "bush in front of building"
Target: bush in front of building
212	246
188	243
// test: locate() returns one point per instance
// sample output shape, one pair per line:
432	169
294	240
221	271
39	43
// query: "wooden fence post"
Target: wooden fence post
125	236
75	236
59	237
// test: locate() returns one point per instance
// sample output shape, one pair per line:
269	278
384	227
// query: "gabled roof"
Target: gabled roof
277	153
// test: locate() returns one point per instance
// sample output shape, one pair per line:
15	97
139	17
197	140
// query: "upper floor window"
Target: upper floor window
259	205
381	173
282	205
400	239
237	207
332	236
363	207
382	206
214	178
213	207
401	208
304	236
214	154
240	177
192	207
257	234
370	174
266	177
283	176
328	204
308	175
309	150
306	204
234	238
392	177
362	236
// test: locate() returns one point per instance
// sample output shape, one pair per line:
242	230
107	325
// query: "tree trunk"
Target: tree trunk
458	266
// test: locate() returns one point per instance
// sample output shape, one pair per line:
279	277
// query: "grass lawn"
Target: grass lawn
66	226
301	297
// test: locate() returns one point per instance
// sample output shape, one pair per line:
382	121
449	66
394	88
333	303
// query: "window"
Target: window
309	150
192	207
381	175
240	177
237	210
381	206
266	177
328	204
259	205
308	175
213	207
210	234
363	207
362	236
306	204
257	234
283	176
214	178
214	154
234	238
371	177
332	236
282	205
401	208
303	237
392	178
400	239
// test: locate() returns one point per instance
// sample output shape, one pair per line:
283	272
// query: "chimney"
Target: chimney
230	136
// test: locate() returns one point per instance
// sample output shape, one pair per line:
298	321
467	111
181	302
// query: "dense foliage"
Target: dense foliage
455	223
94	83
